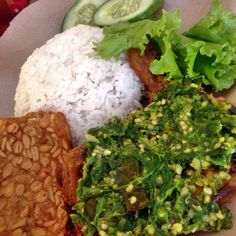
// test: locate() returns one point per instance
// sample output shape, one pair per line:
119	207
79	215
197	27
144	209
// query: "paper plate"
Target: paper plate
42	20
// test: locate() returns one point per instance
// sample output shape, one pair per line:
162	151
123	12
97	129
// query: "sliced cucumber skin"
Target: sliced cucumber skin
156	4
152	9
69	19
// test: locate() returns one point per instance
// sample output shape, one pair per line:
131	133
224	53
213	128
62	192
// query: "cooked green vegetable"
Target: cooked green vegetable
146	174
114	11
80	13
204	54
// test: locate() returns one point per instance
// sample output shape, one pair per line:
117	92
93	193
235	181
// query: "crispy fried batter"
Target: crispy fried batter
31	158
72	167
140	64
72	172
228	190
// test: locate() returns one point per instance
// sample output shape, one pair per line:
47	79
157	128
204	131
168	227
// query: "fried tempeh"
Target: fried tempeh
31	158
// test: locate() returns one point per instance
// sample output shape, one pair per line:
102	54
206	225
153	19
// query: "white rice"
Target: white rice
67	75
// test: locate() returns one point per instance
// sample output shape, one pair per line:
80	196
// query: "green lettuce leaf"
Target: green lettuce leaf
119	38
208	50
206	62
219	26
167	64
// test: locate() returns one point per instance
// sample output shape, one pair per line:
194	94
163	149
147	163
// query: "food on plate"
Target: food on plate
158	170
81	13
67	75
228	190
115	11
104	12
163	169
140	64
73	163
31	159
205	54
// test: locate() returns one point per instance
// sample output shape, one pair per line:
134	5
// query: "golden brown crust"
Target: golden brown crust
140	64
31	159
72	171
228	191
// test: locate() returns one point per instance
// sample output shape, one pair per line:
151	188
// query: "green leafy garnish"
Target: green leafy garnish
127	35
205	54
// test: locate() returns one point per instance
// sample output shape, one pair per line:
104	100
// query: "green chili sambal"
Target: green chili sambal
158	170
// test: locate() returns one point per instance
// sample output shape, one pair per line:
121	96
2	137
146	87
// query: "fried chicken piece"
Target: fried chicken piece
73	163
31	159
72	172
228	190
140	64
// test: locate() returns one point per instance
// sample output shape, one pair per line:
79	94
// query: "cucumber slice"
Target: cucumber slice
81	13
114	11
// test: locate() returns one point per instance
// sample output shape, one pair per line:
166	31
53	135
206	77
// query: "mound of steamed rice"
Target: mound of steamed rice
67	75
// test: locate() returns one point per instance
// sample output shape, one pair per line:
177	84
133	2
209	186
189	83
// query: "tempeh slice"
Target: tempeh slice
31	159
